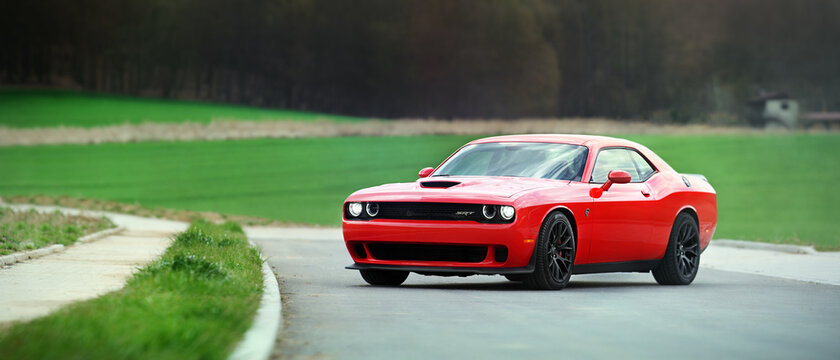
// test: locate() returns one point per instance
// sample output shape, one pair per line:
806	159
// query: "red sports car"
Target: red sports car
537	209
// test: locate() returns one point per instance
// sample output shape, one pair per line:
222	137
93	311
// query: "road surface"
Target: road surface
331	313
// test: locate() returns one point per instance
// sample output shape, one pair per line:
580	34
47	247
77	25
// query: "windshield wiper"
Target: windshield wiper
441	175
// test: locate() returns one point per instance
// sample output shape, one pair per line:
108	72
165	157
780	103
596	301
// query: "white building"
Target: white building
777	110
784	111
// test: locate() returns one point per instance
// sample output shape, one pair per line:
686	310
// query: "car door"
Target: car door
621	216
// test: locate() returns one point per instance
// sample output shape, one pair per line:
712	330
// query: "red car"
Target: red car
537	209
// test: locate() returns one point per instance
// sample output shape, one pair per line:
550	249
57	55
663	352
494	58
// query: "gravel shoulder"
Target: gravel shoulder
243	129
817	267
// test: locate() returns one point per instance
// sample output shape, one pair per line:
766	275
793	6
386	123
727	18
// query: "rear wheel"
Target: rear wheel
555	254
384	277
682	257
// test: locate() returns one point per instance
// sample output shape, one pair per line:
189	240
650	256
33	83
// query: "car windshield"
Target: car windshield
520	159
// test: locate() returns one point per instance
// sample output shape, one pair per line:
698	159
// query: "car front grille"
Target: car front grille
421	252
430	211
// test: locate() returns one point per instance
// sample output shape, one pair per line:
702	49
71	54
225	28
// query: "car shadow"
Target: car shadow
518	286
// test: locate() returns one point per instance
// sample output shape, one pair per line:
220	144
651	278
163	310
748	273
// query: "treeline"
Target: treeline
670	60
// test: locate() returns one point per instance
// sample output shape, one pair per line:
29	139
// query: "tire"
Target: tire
515	277
555	254
384	277
682	257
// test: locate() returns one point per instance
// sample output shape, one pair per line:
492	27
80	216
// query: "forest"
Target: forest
661	60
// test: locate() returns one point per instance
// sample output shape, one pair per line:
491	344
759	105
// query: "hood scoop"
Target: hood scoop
439	184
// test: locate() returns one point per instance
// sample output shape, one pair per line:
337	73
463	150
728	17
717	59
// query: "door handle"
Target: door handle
646	193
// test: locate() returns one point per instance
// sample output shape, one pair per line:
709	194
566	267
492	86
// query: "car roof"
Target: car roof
591	140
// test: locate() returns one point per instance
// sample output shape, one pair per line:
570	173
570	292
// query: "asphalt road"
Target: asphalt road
331	313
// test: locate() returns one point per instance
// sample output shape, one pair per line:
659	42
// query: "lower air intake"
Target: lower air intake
419	252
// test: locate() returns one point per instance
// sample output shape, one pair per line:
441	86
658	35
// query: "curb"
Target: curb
98	235
18	257
258	342
754	245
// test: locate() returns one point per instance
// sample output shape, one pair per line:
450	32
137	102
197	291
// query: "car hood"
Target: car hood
455	188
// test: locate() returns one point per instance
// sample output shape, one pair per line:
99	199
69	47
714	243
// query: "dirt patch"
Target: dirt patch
239	129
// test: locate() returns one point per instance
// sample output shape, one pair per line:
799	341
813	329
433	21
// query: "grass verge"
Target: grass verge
44	108
773	188
28	230
143	210
195	302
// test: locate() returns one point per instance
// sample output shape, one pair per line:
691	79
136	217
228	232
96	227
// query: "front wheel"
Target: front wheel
555	254
384	277
682	257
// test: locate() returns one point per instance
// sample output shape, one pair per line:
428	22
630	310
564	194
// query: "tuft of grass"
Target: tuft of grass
28	230
773	188
46	108
195	302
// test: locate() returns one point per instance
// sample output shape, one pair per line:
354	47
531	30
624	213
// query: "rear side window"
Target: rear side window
621	159
642	166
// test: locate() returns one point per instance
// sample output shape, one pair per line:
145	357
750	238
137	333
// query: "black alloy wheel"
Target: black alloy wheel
384	277
555	254
682	257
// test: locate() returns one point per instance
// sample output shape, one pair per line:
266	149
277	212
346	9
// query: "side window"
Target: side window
642	166
620	159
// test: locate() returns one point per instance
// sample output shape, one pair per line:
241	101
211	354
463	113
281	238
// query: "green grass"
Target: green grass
779	188
27	230
196	302
46	108
299	180
774	188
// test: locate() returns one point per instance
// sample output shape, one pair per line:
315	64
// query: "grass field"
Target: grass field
775	188
780	189
196	302
40	108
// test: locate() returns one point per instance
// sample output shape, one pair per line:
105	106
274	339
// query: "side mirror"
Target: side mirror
614	177
428	171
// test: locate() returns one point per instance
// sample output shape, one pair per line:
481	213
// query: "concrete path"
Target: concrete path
331	313
37	287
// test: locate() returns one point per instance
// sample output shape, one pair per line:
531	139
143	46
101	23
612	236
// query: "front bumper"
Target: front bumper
509	247
442	270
